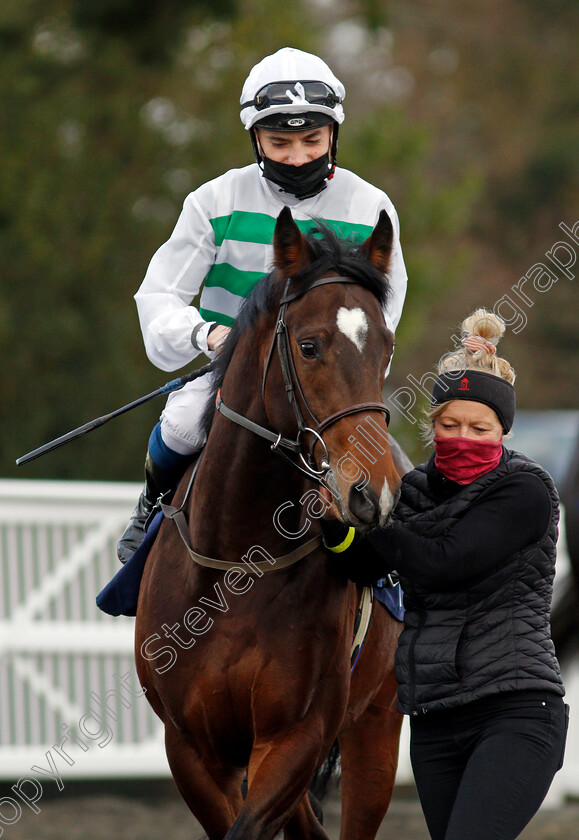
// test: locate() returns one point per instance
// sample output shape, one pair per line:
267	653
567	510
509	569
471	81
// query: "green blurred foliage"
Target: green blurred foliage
114	110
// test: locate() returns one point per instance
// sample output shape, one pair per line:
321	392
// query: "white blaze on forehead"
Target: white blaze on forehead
354	325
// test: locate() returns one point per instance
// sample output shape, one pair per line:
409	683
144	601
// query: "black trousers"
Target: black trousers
483	769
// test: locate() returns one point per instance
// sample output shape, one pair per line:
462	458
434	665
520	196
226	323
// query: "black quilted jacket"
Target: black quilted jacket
476	563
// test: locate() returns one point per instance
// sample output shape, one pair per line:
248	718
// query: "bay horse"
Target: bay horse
246	660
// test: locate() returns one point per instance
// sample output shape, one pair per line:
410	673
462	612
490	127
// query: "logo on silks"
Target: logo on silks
296	121
464	385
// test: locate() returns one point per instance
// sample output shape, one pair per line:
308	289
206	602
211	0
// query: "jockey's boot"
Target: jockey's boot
158	483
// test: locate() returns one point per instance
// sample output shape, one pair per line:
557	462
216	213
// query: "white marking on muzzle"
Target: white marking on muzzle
386	502
354	325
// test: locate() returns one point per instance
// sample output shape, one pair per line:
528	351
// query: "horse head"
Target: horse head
337	349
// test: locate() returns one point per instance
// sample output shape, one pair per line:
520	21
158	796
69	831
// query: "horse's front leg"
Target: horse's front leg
304	825
213	795
279	773
369	750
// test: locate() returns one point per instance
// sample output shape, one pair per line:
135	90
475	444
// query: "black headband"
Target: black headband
307	121
480	387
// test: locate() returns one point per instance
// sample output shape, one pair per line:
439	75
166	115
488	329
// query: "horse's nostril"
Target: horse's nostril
364	504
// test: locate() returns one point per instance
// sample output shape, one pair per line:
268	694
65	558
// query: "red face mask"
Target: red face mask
462	460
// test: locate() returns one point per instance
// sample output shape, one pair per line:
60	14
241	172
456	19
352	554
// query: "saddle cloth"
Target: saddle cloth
120	595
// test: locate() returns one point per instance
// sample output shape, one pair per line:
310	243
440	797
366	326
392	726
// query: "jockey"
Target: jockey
291	105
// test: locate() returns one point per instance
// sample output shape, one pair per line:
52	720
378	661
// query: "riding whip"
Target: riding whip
168	388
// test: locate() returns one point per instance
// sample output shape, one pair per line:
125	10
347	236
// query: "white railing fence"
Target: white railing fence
69	698
68	687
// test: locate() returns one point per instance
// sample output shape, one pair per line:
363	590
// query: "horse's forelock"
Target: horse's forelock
331	253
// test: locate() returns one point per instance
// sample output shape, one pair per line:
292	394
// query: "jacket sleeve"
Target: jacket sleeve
174	277
514	513
396	274
354	556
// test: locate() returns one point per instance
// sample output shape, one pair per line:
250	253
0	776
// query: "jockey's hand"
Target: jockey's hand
217	336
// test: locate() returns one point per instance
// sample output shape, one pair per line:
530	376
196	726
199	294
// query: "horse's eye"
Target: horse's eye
308	349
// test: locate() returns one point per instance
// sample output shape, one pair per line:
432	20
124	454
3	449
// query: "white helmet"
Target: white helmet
291	82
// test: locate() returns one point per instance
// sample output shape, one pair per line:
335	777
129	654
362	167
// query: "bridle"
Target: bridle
280	444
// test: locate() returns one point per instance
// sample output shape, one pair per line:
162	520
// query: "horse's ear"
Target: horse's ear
291	252
378	247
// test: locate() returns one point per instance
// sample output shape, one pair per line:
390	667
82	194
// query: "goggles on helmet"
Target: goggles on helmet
288	93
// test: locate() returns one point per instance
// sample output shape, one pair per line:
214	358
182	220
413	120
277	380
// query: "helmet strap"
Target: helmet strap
255	147
334	150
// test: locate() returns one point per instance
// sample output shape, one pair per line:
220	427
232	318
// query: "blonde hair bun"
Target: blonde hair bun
480	334
485	324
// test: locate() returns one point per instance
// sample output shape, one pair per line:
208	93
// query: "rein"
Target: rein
259	567
279	443
177	514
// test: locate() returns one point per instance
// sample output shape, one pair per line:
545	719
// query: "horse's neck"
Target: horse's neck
245	494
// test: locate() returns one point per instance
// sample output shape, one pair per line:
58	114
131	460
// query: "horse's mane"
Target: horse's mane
330	253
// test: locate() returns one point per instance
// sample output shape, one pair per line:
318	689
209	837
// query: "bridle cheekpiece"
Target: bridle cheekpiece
280	444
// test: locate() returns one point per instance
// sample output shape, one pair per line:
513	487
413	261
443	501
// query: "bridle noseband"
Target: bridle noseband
281	341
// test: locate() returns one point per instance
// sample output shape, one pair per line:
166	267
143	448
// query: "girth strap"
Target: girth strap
361	625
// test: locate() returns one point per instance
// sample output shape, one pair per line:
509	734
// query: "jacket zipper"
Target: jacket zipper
411	660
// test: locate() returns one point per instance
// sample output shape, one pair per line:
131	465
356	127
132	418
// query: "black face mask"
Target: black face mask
302	181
